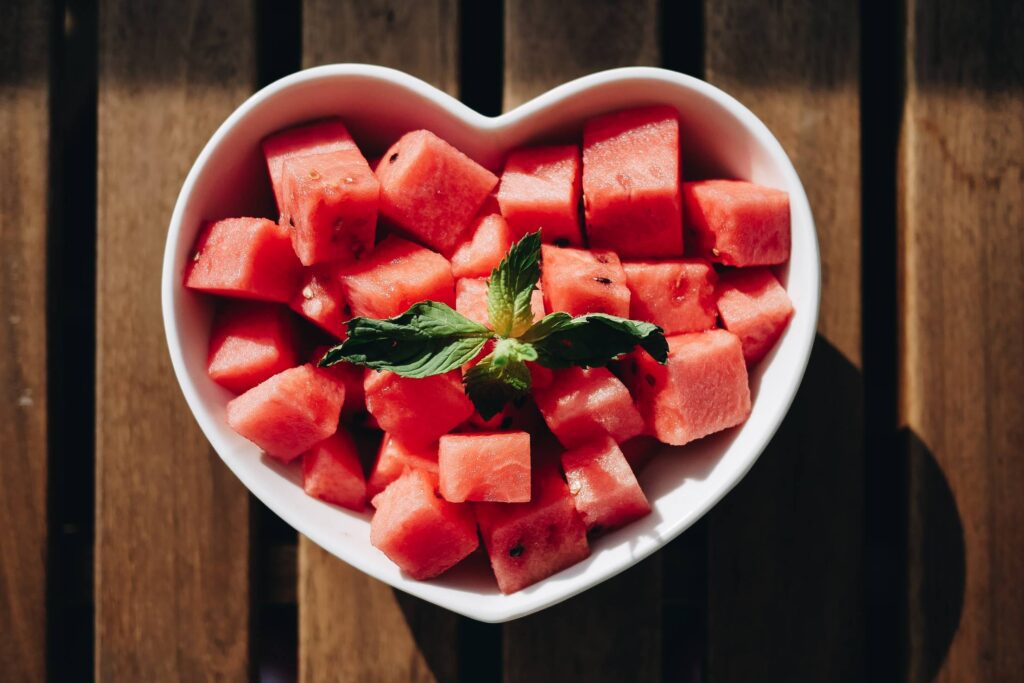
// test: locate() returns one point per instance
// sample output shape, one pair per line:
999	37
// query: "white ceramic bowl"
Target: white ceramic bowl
720	137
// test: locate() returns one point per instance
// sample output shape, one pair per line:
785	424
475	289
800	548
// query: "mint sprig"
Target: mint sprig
431	339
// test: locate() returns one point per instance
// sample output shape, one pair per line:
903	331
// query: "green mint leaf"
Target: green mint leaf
592	340
501	377
511	285
428	339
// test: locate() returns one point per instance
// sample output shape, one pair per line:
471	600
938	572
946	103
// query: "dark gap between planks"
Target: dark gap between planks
71	340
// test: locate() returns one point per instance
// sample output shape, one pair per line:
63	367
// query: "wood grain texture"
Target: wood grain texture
548	43
786	547
612	632
172	523
351	626
962	312
24	145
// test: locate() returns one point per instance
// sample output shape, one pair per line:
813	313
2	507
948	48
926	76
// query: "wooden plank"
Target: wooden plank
785	548
962	269
612	632
352	627
172	539
24	142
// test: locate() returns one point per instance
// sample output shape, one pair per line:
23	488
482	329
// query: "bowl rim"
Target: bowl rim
515	605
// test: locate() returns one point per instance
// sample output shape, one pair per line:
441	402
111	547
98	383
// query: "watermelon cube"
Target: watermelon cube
248	258
331	471
348	376
487	242
393	277
421	532
584	403
603	485
249	343
330	203
417	411
488	467
540	190
394	457
430	190
288	413
678	296
639	451
578	281
737	223
631	176
319	298
754	307
528	542
701	390
471	300
318	137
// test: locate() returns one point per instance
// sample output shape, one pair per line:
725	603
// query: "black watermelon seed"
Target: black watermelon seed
393	158
516	550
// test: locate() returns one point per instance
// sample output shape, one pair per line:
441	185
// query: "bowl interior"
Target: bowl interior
719	137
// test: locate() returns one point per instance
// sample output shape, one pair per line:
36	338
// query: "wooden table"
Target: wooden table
880	537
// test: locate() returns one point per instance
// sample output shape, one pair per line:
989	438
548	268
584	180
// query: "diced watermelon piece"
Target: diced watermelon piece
249	258
489	467
394	457
288	413
540	190
330	202
249	343
578	281
583	403
701	390
394	276
331	471
471	300
318	137
422	533
319	298
528	542
431	190
631	176
417	411
351	378
737	223
639	450
678	296
754	307
603	485
487	242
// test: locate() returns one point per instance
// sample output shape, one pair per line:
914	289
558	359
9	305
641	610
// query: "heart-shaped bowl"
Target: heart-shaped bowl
720	138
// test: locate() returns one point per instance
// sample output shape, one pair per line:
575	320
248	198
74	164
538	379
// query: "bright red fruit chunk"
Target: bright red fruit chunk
331	471
492	467
249	343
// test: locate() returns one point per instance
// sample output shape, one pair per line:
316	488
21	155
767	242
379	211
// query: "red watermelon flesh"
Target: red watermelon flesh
319	298
737	223
288	413
431	190
540	376
578	281
348	376
248	258
489	467
417	411
487	242
471	300
393	277
249	343
331	471
394	457
678	296
582	404
319	137
540	190
639	451
631	176
755	308
419	531
603	485
528	542
702	390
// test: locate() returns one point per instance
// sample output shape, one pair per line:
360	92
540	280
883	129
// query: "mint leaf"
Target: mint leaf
501	377
592	340
510	287
428	339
